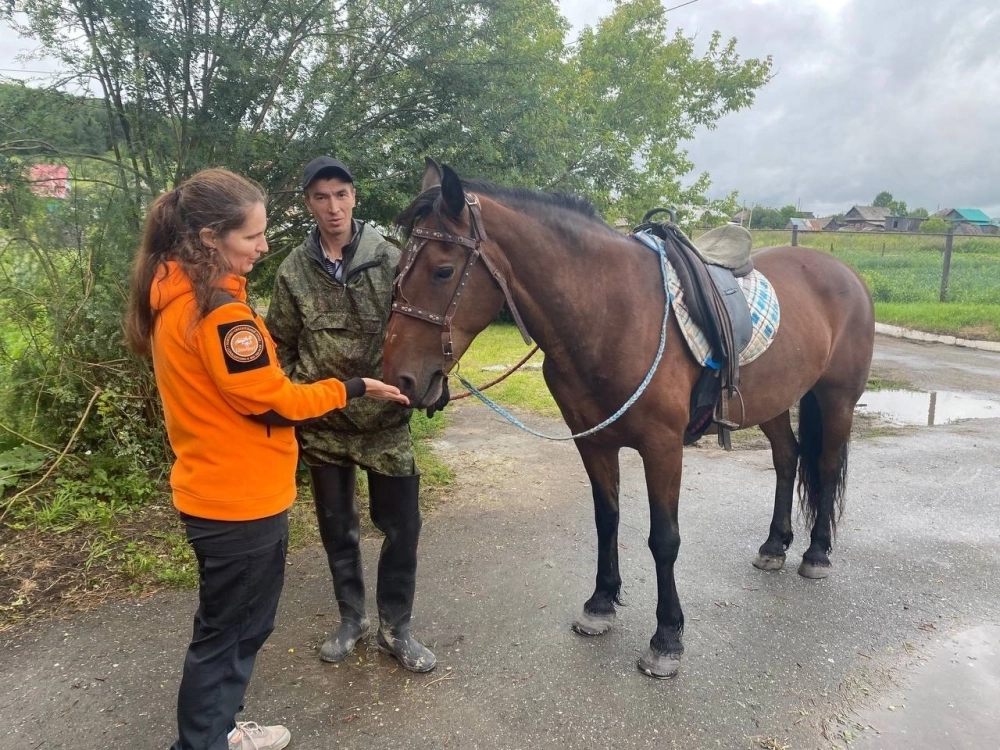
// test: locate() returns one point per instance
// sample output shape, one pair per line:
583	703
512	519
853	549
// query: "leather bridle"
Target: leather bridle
419	237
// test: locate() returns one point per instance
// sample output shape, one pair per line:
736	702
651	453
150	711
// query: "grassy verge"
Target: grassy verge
501	346
85	538
967	321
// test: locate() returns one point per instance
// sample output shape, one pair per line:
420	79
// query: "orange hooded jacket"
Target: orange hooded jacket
228	405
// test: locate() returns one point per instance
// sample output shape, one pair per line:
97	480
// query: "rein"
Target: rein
419	238
625	407
510	371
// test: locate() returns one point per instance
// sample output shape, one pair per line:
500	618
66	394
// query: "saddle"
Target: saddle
707	270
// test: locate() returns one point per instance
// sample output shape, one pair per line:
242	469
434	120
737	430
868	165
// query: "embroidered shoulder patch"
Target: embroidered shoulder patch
243	346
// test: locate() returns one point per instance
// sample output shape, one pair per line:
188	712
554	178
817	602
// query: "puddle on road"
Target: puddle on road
919	408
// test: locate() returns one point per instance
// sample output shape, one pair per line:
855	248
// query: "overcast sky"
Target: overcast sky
868	95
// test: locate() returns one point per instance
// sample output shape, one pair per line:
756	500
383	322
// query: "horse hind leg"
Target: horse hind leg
603	469
824	435
784	455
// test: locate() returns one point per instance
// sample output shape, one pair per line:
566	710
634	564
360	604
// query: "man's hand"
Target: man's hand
384	392
442	401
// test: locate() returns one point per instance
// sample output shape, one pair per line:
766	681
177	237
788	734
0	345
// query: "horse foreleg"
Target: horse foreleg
784	455
604	472
663	482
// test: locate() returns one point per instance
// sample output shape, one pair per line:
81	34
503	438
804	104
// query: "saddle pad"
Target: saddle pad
765	314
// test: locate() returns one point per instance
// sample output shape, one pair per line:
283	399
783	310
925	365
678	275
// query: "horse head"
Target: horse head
447	289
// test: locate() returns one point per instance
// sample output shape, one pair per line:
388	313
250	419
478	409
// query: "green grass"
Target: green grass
903	273
970	321
878	383
501	344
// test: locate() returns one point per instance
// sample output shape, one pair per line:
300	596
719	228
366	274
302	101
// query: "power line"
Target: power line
662	13
689	2
21	70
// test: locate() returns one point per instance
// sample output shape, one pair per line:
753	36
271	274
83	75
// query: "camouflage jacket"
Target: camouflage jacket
325	328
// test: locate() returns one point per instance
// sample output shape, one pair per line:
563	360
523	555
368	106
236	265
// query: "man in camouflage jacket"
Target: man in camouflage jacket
328	315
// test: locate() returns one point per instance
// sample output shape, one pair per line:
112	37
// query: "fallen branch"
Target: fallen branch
59	458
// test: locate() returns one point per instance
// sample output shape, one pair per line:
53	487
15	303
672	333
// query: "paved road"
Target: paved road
771	658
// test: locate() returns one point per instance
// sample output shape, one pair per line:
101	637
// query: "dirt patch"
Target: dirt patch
45	574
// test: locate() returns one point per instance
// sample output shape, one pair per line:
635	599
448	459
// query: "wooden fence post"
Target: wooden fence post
795	236
947	267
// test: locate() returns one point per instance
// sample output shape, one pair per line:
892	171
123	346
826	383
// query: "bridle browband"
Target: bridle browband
419	237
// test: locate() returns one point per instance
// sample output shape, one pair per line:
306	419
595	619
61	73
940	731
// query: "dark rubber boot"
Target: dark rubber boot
337	515
395	511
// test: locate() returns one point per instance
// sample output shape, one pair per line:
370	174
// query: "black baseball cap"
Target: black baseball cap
325	166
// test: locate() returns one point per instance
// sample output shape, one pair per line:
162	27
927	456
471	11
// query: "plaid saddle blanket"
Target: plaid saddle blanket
765	314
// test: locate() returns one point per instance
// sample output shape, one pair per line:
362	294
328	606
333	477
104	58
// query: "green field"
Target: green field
501	344
903	273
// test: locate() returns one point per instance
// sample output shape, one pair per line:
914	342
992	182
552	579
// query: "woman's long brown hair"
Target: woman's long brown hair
215	199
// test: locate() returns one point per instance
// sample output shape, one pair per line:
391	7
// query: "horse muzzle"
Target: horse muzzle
422	392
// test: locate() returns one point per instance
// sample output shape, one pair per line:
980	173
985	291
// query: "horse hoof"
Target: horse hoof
814	571
660	666
769	562
587	624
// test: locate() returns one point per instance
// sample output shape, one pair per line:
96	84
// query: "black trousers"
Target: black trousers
241	569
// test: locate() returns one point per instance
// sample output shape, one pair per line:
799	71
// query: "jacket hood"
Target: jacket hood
171	283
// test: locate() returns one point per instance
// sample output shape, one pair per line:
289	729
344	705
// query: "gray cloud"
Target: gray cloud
899	95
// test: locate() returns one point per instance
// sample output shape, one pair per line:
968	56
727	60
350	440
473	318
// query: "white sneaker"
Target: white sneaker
250	735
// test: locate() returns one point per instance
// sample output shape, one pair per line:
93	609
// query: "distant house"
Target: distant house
866	218
968	221
829	223
903	223
967	215
807	224
742	218
49	180
965	227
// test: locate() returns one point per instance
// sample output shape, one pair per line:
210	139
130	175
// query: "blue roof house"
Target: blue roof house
965	215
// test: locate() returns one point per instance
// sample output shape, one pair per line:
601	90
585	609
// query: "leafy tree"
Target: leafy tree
883	199
772	218
920	213
633	93
936	225
35	120
184	84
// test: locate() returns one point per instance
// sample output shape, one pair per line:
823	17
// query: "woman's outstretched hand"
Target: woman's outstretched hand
383	391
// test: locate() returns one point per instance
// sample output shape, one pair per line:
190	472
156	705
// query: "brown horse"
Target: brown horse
594	301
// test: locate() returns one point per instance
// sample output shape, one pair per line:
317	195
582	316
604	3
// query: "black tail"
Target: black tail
810	448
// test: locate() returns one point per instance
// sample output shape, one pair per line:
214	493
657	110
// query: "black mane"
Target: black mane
531	201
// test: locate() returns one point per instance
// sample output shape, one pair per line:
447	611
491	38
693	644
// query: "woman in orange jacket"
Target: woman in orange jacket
230	412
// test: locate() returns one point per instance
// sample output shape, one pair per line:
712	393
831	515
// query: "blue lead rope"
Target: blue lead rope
656	245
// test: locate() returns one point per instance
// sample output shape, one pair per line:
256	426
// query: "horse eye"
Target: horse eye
444	273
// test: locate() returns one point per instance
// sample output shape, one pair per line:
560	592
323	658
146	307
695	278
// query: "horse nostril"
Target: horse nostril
407	385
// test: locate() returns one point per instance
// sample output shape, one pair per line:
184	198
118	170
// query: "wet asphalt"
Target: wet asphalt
898	649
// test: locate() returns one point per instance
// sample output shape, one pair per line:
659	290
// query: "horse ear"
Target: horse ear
452	192
432	174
